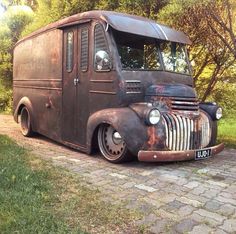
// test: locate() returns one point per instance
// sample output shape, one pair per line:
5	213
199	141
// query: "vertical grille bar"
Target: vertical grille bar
174	138
177	146
181	139
188	133
185	134
191	134
167	132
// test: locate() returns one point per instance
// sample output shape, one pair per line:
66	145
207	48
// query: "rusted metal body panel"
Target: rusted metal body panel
69	105
38	76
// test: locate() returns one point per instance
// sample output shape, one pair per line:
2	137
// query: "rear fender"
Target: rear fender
25	102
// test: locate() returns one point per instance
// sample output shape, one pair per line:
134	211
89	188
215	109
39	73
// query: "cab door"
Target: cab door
75	104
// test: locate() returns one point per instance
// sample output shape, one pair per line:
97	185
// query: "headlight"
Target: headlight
219	113
153	116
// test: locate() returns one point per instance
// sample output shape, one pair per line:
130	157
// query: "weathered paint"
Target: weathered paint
168	156
70	112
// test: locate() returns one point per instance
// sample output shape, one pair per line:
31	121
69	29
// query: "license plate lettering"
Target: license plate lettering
202	154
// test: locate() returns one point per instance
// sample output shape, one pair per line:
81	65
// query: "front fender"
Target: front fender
125	121
132	128
210	108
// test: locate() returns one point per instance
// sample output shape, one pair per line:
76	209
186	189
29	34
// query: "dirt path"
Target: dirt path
187	197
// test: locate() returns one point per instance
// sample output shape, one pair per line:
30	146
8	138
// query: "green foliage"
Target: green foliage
5	99
16	18
146	8
213	58
12	23
5	56
224	95
227	131
110	5
51	11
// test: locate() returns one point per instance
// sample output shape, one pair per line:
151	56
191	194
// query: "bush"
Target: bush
224	95
5	100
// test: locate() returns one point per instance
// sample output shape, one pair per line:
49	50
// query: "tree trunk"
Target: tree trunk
212	81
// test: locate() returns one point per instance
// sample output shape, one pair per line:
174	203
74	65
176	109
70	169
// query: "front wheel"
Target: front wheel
112	145
25	122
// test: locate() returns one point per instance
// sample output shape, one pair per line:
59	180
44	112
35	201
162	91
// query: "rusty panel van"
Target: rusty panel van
114	82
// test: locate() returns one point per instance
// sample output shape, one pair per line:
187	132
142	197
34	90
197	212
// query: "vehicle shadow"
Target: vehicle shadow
135	164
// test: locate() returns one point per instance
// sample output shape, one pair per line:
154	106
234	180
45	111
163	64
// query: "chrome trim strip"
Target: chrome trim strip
102	92
102	81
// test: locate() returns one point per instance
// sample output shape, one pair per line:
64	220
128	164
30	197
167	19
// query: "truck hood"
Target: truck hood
171	90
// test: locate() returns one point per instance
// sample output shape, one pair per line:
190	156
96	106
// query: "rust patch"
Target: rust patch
168	156
153	139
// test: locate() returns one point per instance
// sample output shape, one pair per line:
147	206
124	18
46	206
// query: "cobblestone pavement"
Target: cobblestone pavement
187	197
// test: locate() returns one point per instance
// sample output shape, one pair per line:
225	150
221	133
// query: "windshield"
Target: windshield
143	53
174	57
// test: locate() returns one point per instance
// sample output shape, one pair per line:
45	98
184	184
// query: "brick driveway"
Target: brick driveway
187	197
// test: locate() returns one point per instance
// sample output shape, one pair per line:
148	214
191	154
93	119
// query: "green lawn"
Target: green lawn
36	197
227	132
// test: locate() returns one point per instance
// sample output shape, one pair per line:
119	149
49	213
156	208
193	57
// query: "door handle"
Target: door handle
76	81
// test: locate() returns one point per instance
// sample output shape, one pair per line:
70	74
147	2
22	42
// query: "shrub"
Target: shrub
5	100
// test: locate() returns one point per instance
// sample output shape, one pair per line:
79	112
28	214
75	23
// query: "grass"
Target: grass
36	197
227	132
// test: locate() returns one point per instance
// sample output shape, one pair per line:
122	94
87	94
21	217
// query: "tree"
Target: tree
146	8
12	23
212	48
51	11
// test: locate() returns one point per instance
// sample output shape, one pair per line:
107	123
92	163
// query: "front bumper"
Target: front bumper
168	156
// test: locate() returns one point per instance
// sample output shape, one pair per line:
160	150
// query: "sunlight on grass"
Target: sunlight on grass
36	197
227	132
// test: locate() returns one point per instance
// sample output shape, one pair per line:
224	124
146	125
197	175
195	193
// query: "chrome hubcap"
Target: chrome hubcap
117	139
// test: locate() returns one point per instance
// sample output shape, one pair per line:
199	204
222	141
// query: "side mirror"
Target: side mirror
102	60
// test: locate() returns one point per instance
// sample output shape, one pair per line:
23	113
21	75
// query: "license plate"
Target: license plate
202	154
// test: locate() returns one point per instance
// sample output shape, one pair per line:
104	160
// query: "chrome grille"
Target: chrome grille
182	133
184	104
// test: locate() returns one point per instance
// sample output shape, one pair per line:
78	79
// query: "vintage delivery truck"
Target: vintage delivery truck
113	81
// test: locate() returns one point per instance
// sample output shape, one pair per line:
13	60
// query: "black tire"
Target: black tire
112	146
25	122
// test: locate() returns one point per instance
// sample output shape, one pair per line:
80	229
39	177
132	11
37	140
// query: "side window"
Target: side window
69	51
101	52
84	49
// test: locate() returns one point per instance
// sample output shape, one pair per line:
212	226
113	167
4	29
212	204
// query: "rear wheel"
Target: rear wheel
25	122
112	145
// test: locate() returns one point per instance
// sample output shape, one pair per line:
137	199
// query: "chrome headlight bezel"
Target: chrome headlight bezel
153	116
219	113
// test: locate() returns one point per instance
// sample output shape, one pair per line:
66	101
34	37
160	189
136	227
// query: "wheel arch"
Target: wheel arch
124	120
24	102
